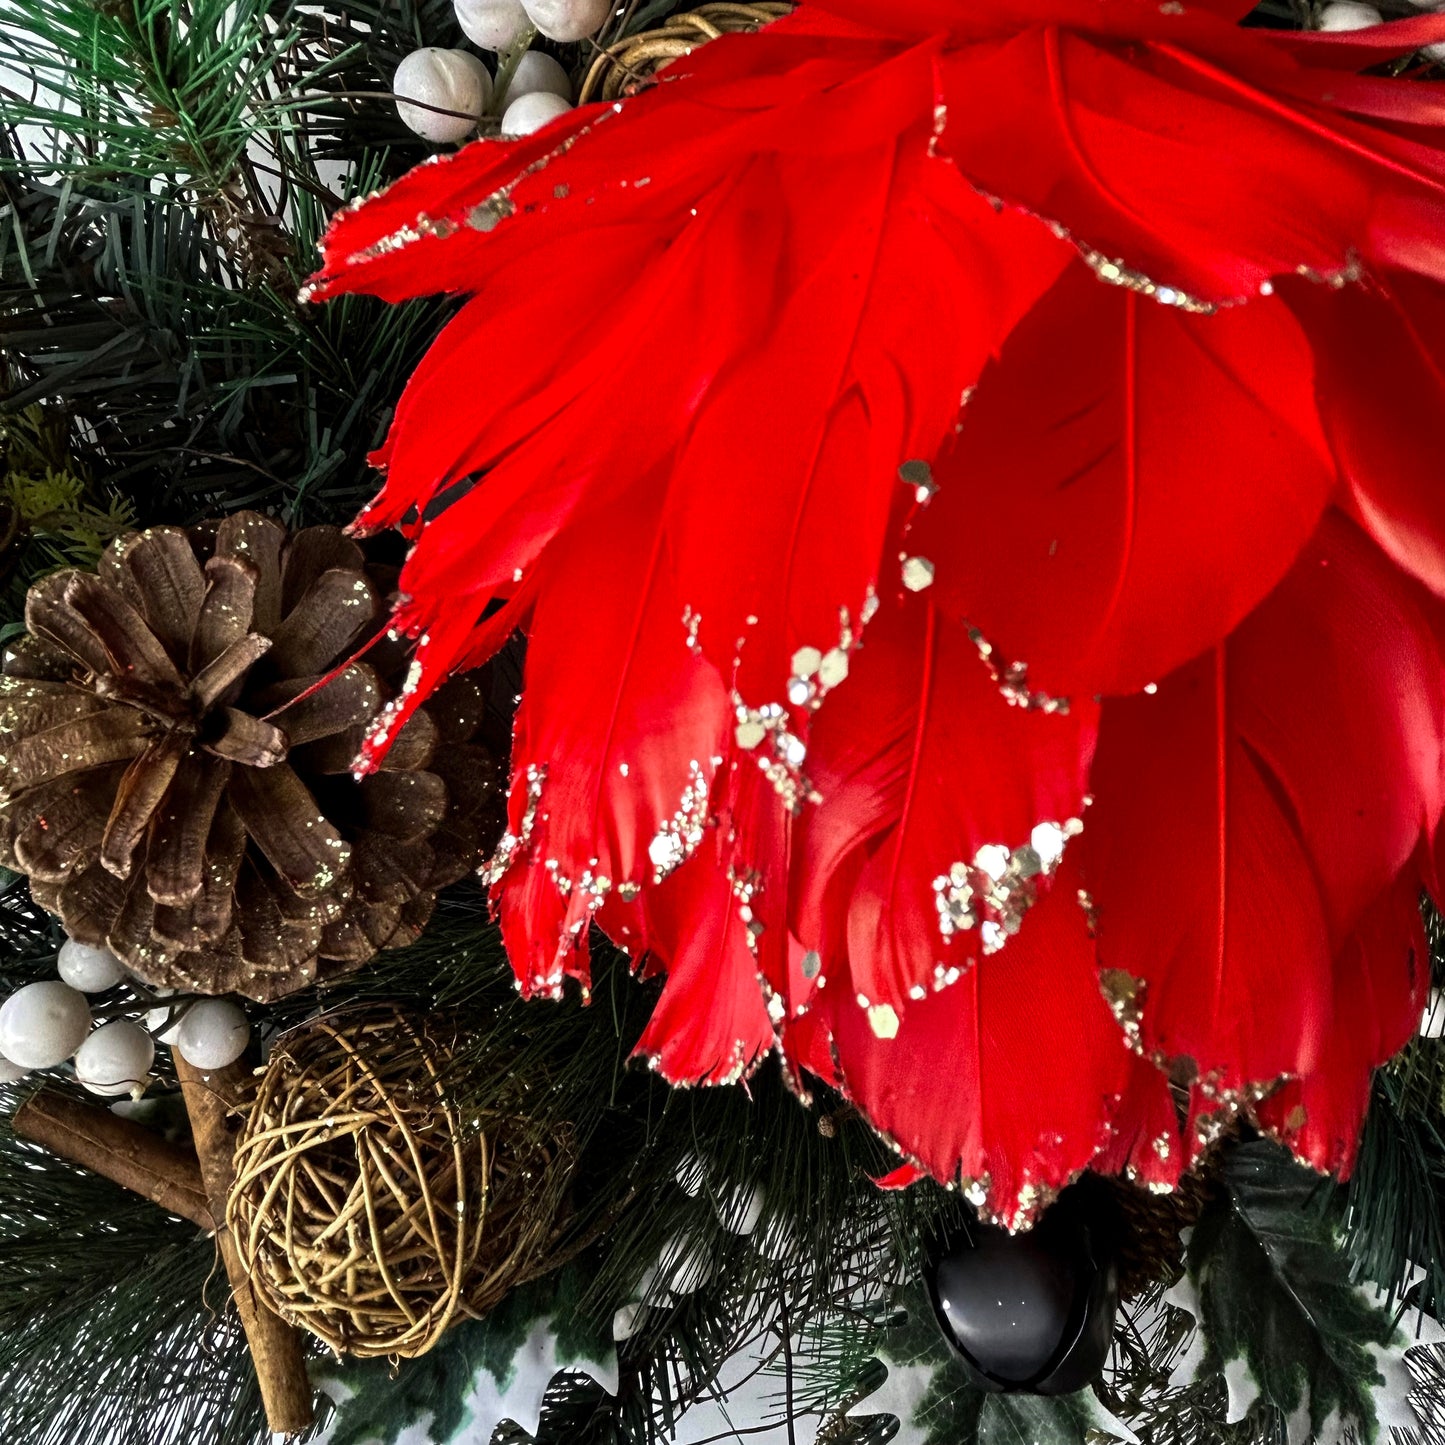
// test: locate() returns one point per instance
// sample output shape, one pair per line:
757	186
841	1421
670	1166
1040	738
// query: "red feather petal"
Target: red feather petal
711	1025
1381	980
1172	471
1248	814
895	285
919	759
1186	157
1382	398
619	731
1012	1078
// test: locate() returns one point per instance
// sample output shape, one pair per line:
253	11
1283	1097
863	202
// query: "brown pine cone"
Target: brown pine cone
1151	1250
175	791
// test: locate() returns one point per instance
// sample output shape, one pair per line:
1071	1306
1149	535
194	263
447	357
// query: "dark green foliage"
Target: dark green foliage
1027	1419
387	1400
1276	1291
1393	1210
106	1332
952	1410
151	248
29	937
162	192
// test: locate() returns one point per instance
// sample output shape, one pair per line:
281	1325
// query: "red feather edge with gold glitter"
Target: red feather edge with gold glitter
969	480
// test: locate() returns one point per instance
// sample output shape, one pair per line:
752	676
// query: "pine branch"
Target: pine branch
103	1280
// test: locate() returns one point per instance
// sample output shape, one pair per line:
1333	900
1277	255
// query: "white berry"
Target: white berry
115	1059
532	112
567	19
9	1071
164	1022
87	967
537	73
627	1321
1348	15
492	24
452	80
43	1024
213	1033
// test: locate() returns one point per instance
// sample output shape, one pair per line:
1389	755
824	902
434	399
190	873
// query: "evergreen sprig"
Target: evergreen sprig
1276	1292
1393	1209
163	186
166	171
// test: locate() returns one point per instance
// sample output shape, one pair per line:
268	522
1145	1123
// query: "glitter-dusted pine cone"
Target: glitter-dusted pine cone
174	788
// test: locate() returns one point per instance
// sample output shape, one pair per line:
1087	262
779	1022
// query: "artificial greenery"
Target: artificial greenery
166	169
1276	1292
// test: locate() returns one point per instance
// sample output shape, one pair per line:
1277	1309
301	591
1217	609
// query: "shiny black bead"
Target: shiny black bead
1032	1312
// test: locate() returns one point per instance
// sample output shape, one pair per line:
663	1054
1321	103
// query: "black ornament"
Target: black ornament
1032	1313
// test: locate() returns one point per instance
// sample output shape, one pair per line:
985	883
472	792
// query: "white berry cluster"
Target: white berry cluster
113	1044
443	94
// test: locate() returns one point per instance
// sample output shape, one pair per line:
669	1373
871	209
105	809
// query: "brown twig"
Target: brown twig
118	1149
275	1345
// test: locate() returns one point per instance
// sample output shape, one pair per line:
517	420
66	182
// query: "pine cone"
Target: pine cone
174	789
1151	1250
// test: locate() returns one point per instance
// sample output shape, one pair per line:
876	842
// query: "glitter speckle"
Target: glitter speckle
512	843
806	661
919	476
749	733
994	892
833	668
681	834
1013	680
883	1020
917	573
1116	273
1125	996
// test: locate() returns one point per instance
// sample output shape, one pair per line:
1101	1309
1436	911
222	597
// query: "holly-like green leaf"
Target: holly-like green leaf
937	1404
471	1372
1036	1419
1275	1293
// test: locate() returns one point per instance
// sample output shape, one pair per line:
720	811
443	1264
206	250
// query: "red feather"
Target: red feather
1380	984
1381	371
617	738
711	1025
921	762
709	330
1170	456
1011	1079
1250	813
1187	160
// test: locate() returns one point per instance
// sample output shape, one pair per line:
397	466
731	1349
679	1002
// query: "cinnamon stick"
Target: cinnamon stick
120	1149
275	1345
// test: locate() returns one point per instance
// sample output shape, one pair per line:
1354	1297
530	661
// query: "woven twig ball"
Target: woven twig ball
624	68
364	1209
